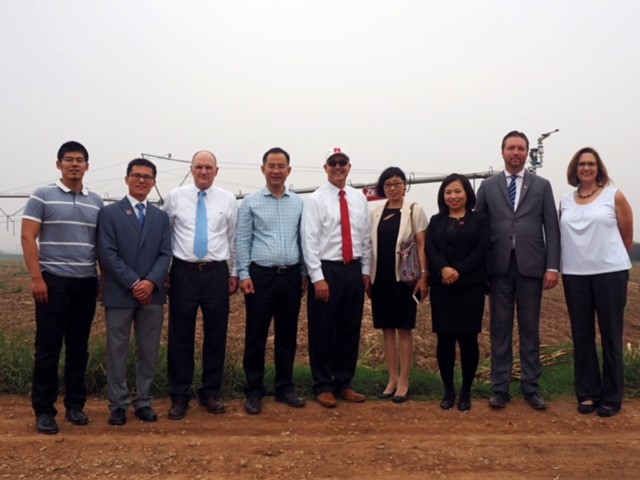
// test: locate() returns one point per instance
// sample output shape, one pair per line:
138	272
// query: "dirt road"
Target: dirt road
376	439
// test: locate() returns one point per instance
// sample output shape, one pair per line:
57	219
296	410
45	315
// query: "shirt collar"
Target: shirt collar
64	188
267	193
134	201
519	174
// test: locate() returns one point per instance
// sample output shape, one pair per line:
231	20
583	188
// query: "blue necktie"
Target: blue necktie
512	190
200	242
140	208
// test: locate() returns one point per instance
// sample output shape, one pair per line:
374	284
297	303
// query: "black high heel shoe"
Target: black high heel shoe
400	398
448	400
387	396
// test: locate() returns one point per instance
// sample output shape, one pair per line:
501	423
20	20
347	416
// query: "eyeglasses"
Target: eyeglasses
140	176
74	159
587	164
342	162
394	185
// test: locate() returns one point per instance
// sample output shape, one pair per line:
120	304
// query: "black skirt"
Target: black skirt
457	309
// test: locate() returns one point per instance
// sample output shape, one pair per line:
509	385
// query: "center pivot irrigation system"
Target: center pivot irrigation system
535	156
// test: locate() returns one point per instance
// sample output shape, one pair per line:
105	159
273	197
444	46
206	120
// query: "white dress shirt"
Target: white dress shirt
222	213
321	230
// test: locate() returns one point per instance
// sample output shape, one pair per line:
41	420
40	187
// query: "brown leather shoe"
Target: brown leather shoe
178	410
326	399
350	396
213	403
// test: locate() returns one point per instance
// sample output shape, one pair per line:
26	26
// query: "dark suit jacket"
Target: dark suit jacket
534	225
467	253
128	253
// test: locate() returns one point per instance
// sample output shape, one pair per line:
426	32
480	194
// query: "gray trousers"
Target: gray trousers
523	294
147	325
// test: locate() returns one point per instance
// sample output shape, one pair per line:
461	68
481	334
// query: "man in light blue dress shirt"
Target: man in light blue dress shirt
273	279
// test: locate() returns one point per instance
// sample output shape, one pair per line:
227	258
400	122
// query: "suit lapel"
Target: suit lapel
526	183
129	212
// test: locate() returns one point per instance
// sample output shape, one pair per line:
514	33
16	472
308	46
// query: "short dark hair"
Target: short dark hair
72	146
468	189
275	151
572	169
386	175
514	133
142	162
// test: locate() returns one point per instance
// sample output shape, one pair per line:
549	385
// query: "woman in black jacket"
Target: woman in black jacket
457	244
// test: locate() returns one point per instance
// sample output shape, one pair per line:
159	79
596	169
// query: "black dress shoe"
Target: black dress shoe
146	414
118	417
213	403
46	423
253	405
498	400
608	410
292	399
535	401
586	408
76	416
448	400
178	410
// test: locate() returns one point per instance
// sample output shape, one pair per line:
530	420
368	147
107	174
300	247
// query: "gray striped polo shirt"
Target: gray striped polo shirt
67	240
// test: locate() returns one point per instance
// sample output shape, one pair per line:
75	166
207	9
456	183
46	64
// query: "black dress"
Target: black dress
391	302
457	309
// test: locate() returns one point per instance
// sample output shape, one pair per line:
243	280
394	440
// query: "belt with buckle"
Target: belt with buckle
199	266
278	268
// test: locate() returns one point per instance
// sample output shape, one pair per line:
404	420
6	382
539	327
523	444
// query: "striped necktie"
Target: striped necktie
512	190
140	207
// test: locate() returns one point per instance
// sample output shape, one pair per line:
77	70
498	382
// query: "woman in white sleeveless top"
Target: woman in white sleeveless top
596	225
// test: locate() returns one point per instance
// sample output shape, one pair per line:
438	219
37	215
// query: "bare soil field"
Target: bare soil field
377	439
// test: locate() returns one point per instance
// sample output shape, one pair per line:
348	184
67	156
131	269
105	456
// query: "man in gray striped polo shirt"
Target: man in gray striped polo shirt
59	246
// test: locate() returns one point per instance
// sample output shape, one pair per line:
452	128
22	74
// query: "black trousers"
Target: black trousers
334	327
277	295
67	316
606	296
190	289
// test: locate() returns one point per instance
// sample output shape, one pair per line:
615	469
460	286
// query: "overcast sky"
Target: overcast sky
429	86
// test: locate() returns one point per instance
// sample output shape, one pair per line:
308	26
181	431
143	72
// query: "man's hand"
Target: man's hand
321	288
550	280
233	285
39	290
366	281
143	290
246	286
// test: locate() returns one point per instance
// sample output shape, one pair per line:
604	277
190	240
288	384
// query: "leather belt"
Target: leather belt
342	262
278	268
199	266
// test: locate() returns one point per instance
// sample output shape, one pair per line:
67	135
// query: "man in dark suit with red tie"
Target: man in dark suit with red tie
336	243
134	250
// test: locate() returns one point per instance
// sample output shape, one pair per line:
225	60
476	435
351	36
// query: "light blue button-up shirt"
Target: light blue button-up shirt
268	231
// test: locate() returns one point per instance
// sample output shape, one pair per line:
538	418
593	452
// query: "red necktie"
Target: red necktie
347	246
